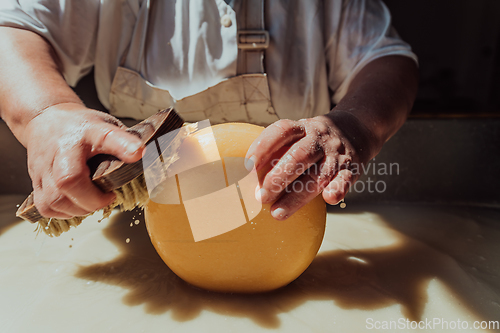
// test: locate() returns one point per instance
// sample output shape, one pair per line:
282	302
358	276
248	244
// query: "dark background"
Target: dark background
458	45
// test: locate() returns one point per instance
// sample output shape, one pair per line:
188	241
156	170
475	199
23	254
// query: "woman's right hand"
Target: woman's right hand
60	140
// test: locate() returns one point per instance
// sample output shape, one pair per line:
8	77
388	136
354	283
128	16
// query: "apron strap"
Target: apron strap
252	37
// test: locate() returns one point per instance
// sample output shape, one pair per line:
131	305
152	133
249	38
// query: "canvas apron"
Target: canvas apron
243	98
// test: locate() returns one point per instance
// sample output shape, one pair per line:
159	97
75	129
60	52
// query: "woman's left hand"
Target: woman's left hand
326	153
307	156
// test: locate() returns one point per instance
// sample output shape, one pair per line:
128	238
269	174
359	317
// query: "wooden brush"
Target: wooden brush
111	174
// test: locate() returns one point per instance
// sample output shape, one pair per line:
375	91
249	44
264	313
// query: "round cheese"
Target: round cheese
221	240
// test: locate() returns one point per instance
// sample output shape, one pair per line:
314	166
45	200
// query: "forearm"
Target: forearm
30	80
377	103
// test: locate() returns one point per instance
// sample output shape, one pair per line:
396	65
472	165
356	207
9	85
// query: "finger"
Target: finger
64	205
46	211
297	195
72	177
300	157
338	187
113	140
113	121
275	136
43	204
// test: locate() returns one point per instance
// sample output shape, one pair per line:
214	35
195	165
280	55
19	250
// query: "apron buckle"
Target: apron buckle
253	39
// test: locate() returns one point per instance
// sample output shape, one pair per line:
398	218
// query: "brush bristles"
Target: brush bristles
131	195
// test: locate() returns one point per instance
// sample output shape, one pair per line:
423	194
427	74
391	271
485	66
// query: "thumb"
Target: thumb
116	141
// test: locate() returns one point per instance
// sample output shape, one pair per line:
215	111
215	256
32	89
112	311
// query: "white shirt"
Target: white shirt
316	47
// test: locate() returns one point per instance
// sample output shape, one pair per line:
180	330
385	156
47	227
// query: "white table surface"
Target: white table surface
377	264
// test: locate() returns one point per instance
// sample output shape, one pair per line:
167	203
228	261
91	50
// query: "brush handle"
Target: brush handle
108	172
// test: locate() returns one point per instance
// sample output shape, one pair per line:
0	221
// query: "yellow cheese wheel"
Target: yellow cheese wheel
261	255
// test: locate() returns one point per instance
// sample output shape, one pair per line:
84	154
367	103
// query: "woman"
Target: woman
331	79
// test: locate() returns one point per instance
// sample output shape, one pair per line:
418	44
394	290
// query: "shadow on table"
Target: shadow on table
8	208
6	224
361	279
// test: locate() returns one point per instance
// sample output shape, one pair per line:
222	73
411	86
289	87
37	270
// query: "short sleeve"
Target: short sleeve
361	33
70	26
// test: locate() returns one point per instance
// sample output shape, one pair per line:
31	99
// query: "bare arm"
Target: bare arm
59	132
323	151
379	99
30	79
